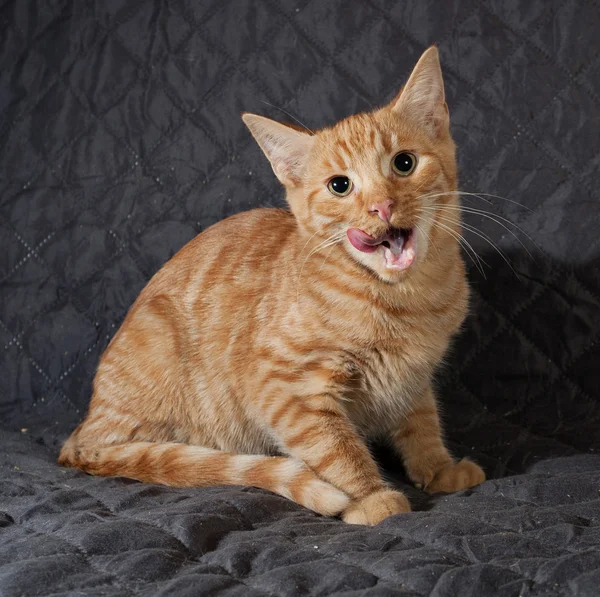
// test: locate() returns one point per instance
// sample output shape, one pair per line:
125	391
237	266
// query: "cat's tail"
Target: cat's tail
182	465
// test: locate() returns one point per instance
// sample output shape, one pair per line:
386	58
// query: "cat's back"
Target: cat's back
242	237
177	338
213	287
230	255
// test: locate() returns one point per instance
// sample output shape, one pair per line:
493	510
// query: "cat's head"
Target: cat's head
373	182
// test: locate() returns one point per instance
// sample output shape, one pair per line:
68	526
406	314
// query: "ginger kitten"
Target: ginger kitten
275	342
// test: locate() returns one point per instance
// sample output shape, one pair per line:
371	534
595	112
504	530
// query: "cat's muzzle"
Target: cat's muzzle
398	245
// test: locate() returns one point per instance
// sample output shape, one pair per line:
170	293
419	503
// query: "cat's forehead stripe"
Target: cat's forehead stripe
343	146
361	138
339	161
354	131
374	136
344	151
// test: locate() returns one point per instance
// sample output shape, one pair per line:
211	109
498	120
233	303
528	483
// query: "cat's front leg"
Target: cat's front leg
418	439
318	431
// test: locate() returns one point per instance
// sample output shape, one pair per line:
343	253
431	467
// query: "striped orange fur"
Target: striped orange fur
272	345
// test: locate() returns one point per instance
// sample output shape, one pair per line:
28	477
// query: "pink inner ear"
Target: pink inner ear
287	168
422	99
425	106
425	95
285	147
287	155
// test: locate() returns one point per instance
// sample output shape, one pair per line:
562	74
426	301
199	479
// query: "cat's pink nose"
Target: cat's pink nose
383	209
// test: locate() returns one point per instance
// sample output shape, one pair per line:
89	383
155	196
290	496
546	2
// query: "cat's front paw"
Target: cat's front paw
455	476
376	507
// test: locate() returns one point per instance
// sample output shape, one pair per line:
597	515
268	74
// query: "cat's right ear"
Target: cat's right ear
286	148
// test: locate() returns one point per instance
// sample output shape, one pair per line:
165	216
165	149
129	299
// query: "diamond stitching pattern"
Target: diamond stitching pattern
335	54
121	140
482	539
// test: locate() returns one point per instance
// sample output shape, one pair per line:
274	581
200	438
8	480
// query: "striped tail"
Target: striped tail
182	465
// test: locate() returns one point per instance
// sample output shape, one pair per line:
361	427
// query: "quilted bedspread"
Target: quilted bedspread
120	140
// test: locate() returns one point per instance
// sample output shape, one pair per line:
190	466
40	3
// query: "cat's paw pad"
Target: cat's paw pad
456	476
376	507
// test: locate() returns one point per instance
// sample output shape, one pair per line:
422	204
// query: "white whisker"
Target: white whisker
325	258
431	243
306	243
481	196
463	242
335	238
290	115
490	216
483	236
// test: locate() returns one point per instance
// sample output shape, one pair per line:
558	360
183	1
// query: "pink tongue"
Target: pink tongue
399	252
362	241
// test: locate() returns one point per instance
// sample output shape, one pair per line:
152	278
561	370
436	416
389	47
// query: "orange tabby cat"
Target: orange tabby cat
275	342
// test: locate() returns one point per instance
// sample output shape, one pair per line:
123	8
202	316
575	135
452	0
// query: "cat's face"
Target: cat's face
368	181
372	182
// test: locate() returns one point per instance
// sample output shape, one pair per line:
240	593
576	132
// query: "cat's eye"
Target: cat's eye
340	186
404	163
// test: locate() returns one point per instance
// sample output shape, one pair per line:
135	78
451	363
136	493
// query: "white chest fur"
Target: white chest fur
390	381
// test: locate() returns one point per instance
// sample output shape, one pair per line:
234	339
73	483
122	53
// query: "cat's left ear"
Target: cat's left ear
286	148
422	99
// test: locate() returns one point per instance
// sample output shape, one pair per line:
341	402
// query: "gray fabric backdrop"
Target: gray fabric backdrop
121	139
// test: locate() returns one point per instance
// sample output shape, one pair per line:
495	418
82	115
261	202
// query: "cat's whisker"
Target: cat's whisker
333	239
290	115
420	186
483	236
431	243
463	242
482	196
490	216
307	242
322	245
495	218
465	245
329	241
326	258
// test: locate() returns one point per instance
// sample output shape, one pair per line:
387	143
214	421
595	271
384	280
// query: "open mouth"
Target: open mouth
397	244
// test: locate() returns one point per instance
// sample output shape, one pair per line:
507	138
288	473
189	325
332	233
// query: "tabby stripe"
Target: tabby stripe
312	195
339	161
297	486
306	436
284	408
373	134
386	143
347	290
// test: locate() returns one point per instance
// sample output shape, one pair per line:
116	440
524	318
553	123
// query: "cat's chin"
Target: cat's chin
391	255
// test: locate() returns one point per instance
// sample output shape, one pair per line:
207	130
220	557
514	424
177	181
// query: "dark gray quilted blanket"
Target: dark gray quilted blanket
533	534
120	139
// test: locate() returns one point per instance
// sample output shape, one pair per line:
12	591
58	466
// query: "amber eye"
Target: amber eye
404	163
340	186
